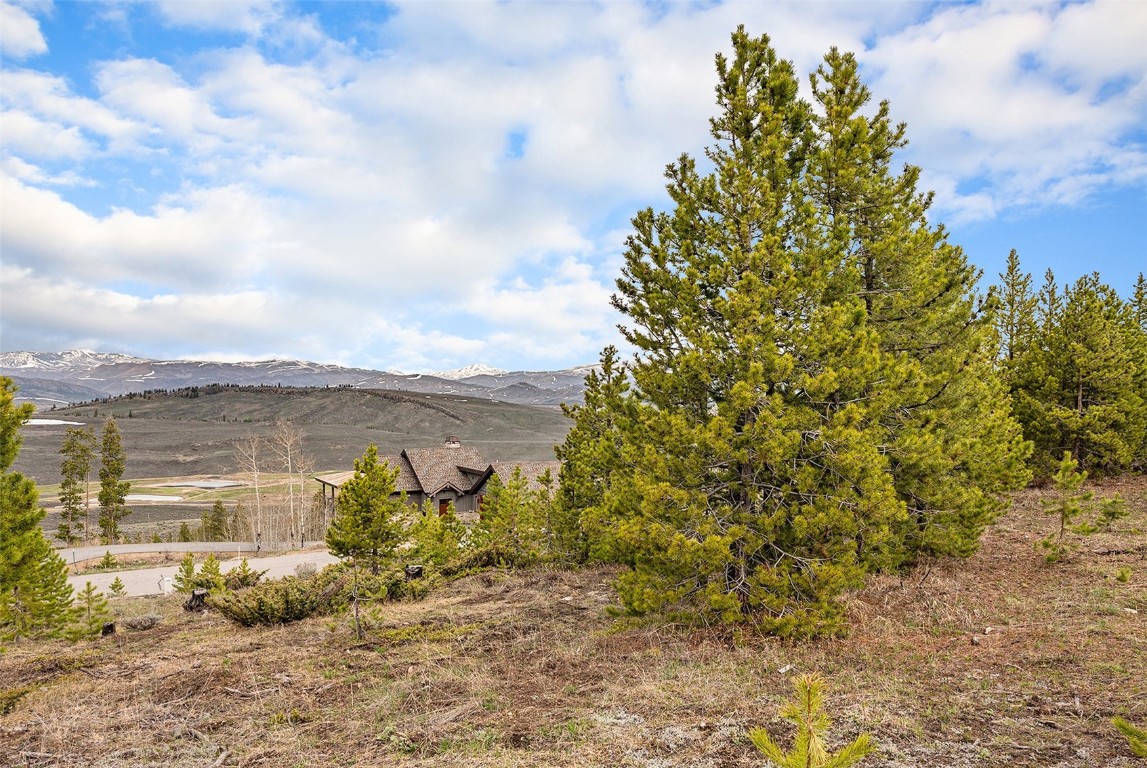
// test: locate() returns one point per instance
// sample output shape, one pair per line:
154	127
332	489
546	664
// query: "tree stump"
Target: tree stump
197	601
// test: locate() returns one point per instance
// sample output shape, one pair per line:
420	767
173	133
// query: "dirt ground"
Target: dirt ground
997	660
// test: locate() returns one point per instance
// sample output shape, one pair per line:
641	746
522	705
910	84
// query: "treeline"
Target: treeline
79	452
35	597
191	392
1074	359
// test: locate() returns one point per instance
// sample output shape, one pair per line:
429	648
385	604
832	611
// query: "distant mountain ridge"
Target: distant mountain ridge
59	378
69	360
468	372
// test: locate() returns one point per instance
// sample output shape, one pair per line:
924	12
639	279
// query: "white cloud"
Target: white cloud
987	99
213	241
20	35
247	16
175	112
26	172
50	100
26	134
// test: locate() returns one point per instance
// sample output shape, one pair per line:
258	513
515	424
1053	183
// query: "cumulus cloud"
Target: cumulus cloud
22	37
246	16
997	96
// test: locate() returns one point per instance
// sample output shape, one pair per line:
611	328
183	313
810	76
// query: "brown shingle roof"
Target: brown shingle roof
437	468
531	470
405	481
430	470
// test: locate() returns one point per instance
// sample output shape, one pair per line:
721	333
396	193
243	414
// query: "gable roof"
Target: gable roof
435	469
429	470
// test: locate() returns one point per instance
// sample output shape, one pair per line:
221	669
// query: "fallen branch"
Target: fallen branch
198	734
251	694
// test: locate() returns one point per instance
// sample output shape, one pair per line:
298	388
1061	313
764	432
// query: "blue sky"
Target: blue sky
420	186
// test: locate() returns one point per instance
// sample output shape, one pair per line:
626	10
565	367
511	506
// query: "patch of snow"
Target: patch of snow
51	423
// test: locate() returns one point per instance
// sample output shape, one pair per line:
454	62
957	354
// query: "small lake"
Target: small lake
207	484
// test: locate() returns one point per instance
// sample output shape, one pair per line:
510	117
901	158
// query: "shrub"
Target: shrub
378	588
185	576
272	602
209	576
437	538
330	591
1077	510
242	577
490	555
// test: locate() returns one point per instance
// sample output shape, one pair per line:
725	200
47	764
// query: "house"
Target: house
450	473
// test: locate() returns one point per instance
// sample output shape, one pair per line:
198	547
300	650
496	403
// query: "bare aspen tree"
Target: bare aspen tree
287	445
248	451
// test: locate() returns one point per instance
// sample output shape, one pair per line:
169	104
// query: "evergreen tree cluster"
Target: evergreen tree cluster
78	450
1074	358
35	597
813	394
519	524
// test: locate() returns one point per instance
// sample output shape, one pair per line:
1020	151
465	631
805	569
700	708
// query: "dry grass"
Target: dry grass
999	660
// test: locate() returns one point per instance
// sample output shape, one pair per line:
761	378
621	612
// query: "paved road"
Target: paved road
74	555
147	581
79	554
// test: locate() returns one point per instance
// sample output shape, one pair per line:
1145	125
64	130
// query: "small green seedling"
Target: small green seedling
806	711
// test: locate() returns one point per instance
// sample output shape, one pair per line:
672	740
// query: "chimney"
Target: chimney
453	442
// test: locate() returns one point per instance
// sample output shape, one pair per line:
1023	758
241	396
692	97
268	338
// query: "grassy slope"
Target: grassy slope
170	436
527	669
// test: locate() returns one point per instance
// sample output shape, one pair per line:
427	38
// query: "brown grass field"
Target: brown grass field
997	660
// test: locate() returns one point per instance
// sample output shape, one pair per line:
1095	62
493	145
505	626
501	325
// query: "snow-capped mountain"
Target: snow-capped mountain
70	360
49	378
470	370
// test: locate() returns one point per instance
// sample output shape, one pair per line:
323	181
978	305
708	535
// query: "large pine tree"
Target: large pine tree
35	598
113	488
813	392
589	456
75	471
367	527
368	516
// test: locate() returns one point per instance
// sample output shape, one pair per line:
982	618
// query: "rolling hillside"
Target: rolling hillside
191	432
50	379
